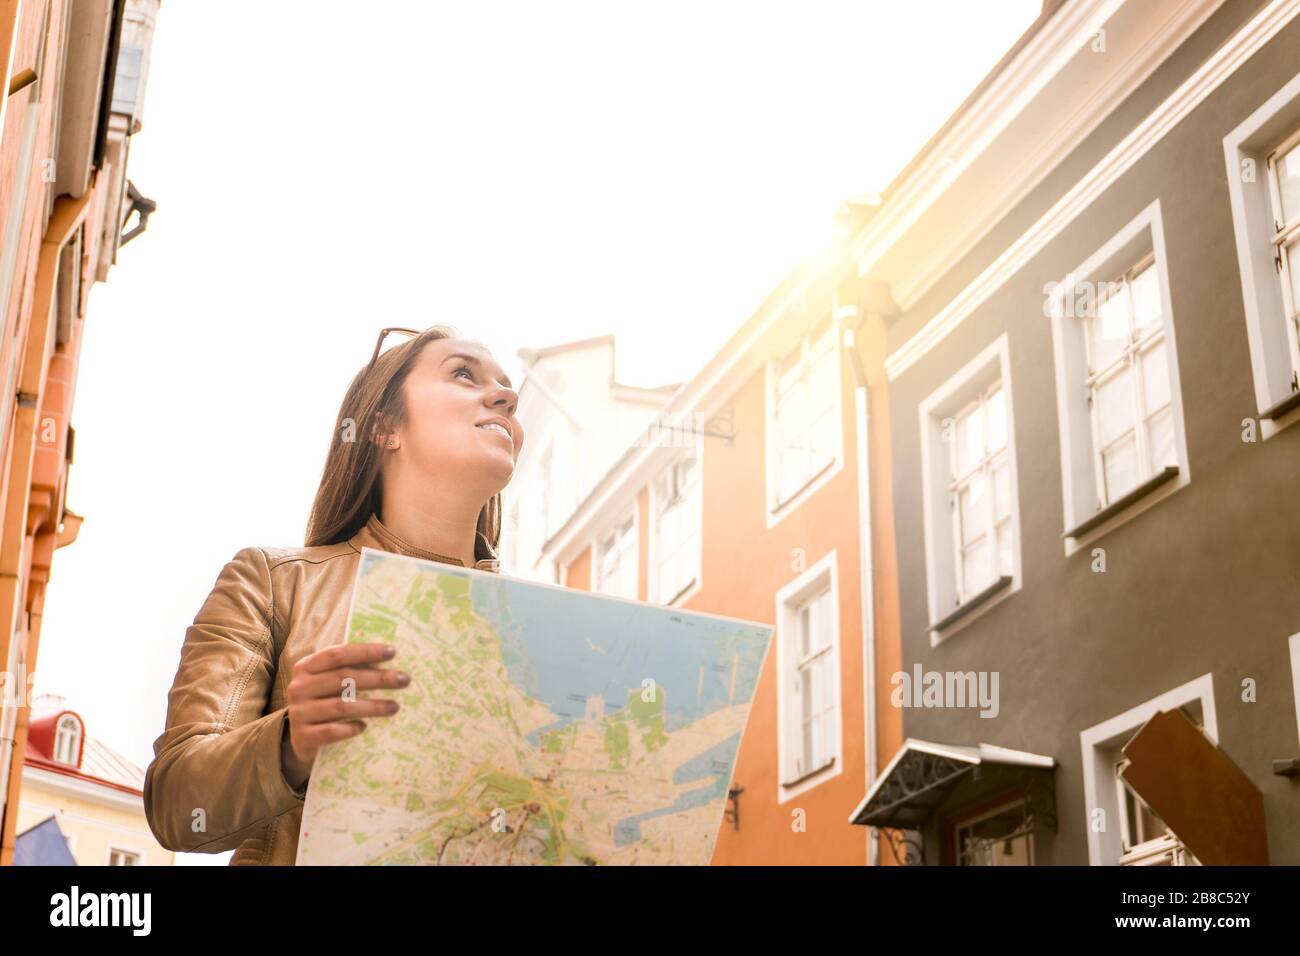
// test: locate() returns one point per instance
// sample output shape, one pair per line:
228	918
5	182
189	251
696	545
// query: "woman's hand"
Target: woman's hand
318	712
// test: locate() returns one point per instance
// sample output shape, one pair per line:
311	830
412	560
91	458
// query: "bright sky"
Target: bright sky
530	173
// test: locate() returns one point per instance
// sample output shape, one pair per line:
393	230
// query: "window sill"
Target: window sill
998	586
809	775
1278	409
780	505
1115	507
678	596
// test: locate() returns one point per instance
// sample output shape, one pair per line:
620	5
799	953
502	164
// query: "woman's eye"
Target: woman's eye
466	370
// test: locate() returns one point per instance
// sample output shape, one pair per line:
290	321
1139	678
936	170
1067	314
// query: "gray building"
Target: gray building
1093	390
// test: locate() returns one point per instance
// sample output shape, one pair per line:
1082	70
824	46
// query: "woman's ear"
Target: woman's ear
385	438
387	442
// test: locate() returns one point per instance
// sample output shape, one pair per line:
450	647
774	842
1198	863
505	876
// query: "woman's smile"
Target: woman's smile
497	426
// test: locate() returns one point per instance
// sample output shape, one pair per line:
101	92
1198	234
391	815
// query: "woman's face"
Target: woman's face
460	416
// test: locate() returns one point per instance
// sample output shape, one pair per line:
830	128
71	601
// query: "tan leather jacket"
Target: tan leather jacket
216	782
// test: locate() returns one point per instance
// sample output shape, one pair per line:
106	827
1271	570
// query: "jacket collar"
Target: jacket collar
374	534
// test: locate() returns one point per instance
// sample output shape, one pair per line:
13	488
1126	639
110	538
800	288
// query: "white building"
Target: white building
577	422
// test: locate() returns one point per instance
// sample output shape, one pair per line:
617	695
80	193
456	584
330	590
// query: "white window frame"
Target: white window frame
634	549
1129	360
695	503
69	740
1294	642
776	509
112	848
943	590
1081	492
1274	353
1101	742
1286	235
790	601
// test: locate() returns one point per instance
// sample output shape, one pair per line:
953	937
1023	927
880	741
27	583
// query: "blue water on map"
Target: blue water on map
562	647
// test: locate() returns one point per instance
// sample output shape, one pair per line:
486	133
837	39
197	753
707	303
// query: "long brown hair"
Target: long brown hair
375	404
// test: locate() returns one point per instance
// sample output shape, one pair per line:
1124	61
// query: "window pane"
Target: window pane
969	442
976	568
1005	564
805	723
1114	398
1293	267
1288	175
1002	489
995	411
822	621
821	380
805	631
1155	379
1119	466
1108	330
1146	298
821	436
974	507
792	418
1160	439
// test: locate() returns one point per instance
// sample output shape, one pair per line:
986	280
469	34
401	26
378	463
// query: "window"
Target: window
808	699
616	560
1001	837
67	740
1122	830
1128	384
970	497
1145	839
677	529
1119	402
804	425
1294	643
120	857
814	673
1284	191
979	493
1263	165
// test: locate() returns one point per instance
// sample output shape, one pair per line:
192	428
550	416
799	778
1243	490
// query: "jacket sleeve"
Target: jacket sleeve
216	777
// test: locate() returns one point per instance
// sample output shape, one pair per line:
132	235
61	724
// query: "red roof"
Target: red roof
96	763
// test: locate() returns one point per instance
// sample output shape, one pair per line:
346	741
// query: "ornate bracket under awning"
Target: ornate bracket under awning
923	775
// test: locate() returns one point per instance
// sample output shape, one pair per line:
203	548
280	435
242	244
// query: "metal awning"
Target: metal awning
923	774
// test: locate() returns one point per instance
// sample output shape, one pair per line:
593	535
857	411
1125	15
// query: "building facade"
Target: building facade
741	498
78	792
1093	378
1010	470
74	78
577	418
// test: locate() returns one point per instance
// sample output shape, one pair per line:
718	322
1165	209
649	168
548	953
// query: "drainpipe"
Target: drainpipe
868	302
852	323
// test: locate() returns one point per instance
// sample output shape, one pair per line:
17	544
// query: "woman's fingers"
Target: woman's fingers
324	710
334	682
345	655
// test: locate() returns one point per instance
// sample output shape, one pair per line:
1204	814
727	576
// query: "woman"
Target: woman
425	441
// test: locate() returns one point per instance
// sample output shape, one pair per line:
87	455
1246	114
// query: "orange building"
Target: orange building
74	77
747	498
